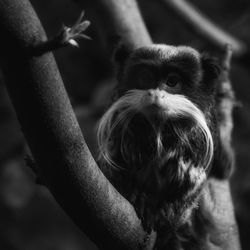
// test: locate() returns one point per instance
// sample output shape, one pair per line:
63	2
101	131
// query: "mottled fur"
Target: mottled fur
158	141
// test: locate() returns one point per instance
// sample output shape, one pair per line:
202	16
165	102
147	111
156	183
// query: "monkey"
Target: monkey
159	138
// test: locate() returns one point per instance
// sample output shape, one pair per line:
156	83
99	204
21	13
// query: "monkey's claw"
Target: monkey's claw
69	35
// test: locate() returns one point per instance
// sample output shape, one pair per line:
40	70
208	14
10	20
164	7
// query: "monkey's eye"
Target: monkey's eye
173	80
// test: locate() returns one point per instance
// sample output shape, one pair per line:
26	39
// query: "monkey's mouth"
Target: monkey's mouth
154	112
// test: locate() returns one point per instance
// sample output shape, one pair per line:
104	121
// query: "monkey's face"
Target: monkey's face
162	113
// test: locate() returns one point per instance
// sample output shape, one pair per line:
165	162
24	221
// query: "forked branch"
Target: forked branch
53	134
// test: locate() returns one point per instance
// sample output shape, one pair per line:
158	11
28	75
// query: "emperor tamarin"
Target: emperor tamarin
159	138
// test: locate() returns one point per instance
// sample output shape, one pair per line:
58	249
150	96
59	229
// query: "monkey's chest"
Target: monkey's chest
161	196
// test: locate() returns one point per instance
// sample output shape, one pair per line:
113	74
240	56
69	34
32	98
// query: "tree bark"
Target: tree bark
51	129
217	206
120	19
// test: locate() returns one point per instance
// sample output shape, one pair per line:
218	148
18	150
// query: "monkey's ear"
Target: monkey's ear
211	68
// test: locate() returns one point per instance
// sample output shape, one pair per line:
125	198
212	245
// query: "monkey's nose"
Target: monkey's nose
155	104
156	93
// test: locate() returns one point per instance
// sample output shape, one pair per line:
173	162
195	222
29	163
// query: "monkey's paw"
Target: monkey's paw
69	35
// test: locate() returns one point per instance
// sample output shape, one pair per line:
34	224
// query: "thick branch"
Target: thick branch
217	207
120	18
53	134
205	27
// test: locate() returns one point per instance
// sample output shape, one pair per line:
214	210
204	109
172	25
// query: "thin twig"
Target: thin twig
67	36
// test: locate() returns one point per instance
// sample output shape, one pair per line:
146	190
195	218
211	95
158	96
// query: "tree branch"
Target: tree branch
122	19
217	207
66	37
53	134
205	27
227	103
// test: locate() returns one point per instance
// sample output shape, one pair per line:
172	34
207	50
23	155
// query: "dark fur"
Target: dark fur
153	184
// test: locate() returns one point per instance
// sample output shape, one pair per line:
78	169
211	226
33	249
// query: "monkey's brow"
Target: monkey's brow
146	62
156	64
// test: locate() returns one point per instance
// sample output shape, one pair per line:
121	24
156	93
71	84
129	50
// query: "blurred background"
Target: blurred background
30	219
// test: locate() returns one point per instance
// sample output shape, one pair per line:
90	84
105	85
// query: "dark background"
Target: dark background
30	219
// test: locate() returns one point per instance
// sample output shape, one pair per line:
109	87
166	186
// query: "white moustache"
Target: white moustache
137	101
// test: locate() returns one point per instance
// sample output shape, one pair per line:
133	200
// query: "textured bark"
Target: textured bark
120	19
217	207
50	127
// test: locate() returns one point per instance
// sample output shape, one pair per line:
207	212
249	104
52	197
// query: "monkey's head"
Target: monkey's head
163	112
